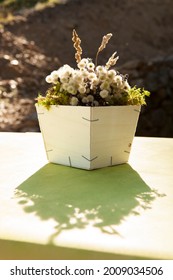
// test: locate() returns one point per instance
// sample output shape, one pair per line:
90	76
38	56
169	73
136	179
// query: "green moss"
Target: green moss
137	96
53	97
134	96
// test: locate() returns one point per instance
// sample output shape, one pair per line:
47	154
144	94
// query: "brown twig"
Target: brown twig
77	42
112	60
104	42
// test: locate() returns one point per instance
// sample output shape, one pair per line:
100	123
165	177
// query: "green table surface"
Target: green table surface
50	211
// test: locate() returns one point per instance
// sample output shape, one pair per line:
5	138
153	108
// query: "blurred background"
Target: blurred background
35	39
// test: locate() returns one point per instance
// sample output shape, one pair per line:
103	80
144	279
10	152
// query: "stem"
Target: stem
96	59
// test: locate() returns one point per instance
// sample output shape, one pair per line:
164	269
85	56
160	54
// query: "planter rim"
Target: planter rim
110	106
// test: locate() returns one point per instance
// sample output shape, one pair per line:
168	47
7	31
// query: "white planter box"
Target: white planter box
88	137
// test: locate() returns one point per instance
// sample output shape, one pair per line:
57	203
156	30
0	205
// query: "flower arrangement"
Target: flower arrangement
90	84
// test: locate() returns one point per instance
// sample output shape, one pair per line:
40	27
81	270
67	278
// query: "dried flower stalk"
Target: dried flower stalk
112	60
104	42
77	42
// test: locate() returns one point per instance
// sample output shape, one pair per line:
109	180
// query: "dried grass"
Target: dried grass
77	41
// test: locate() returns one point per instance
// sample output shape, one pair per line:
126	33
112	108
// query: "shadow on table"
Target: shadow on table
76	198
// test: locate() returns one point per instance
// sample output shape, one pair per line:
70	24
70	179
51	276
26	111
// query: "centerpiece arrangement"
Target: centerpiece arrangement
88	116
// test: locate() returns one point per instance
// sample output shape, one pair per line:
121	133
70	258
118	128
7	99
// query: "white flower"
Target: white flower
96	103
102	77
82	64
65	86
105	85
85	60
71	89
79	79
84	100
90	66
118	79
92	76
82	89
111	74
90	98
54	75
49	79
84	73
95	82
126	85
64	80
67	67
65	74
104	93
101	69
77	76
65	71
74	101
71	82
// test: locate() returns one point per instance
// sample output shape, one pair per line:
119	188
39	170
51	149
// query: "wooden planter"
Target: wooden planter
88	137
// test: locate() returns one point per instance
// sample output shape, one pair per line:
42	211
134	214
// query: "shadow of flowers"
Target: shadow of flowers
77	198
